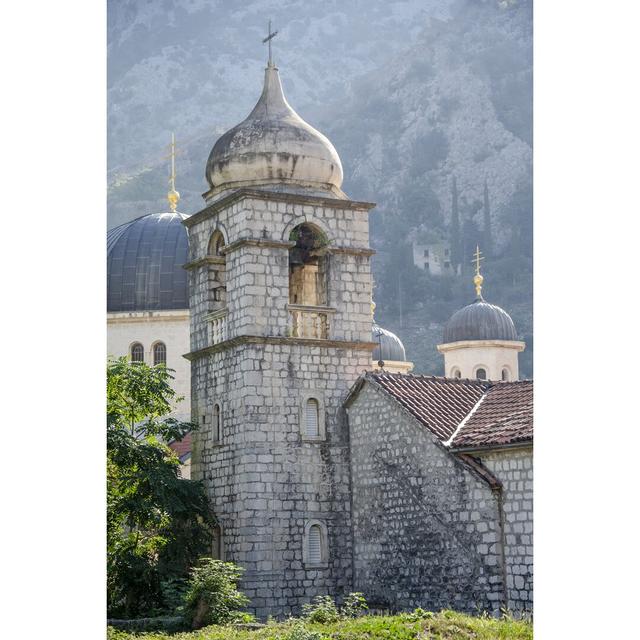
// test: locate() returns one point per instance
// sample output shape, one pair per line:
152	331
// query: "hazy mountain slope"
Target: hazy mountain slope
412	95
195	67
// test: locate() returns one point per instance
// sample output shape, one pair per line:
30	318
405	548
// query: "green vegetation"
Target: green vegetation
213	596
158	524
420	625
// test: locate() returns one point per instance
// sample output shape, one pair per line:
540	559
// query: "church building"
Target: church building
329	466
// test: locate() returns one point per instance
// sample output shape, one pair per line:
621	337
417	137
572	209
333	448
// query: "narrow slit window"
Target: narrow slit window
159	353
312	409
314	545
137	352
216	423
481	374
505	375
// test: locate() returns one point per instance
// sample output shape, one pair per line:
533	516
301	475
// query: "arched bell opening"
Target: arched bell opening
308	266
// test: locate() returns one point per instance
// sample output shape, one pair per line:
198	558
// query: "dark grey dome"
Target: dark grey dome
389	346
144	264
480	321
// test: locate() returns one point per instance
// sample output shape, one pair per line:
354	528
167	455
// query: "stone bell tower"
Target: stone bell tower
280	301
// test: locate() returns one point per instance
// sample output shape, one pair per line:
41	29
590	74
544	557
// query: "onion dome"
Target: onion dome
480	321
273	146
144	264
390	347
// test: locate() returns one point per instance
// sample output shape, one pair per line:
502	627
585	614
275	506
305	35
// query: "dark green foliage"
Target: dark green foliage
157	522
213	596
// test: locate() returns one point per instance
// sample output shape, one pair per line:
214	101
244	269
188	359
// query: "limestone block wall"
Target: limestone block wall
425	529
514	468
256	232
149	327
265	481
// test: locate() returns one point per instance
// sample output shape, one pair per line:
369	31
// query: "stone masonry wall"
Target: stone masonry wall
265	481
425	528
514	468
258	275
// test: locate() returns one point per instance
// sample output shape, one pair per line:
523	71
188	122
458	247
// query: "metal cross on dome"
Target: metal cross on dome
271	35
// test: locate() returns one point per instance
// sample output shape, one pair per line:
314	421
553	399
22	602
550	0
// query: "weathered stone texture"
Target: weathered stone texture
425	528
264	480
514	468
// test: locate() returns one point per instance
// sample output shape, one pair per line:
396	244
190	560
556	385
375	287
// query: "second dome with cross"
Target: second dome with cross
274	146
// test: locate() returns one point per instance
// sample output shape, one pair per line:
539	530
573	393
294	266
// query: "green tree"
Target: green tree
158	524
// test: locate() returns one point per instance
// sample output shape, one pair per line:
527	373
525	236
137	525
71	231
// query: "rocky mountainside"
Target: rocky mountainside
413	94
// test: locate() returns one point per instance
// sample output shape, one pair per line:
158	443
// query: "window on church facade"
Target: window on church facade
216	423
315	545
308	266
481	374
312	417
455	373
315	552
137	352
217	272
505	375
312	410
159	353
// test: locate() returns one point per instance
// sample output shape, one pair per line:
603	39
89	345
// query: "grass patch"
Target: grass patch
446	625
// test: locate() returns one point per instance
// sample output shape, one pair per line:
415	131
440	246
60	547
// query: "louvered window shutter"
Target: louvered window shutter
315	551
311	418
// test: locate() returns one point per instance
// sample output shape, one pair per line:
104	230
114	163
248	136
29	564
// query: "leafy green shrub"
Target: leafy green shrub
213	596
322	610
354	605
300	632
420	614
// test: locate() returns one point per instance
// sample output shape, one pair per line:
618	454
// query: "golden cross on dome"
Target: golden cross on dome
173	196
478	279
270	36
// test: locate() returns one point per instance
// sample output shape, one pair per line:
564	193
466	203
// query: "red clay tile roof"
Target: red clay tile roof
181	447
505	416
447	407
440	404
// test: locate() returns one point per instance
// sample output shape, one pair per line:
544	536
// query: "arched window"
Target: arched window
505	375
308	266
315	551
312	418
314	545
455	373
216	426
216	244
137	352
217	272
481	374
159	353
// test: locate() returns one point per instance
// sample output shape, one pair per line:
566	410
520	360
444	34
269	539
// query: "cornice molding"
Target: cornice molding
278	340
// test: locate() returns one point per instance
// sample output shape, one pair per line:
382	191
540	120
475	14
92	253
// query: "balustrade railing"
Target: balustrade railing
217	326
309	322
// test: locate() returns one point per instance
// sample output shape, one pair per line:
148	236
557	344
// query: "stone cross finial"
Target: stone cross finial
270	36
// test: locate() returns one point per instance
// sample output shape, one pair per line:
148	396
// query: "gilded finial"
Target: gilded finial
478	279
373	308
173	196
